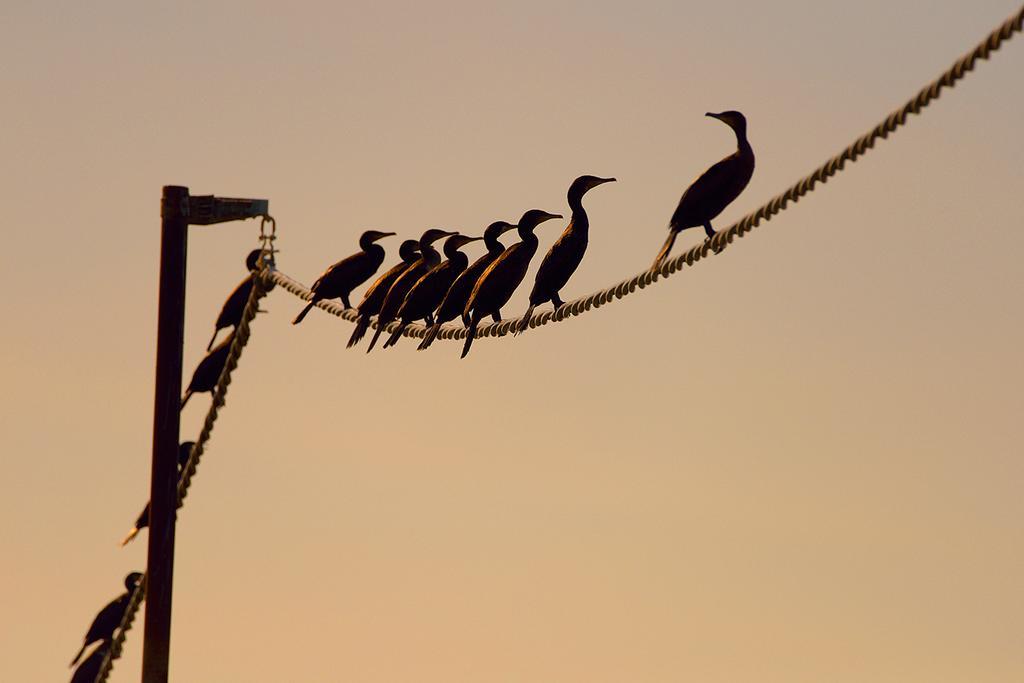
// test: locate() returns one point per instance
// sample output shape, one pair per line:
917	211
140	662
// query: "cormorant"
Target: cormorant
499	281
208	371
426	294
90	668
396	294
339	280
109	618
454	303
234	306
374	296
715	189
566	253
184	451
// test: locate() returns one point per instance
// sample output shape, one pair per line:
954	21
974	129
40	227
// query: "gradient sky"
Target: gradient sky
799	462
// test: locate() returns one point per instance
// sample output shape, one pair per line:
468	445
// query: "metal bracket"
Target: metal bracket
206	210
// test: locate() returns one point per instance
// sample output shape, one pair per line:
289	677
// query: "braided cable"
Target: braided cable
723	238
241	337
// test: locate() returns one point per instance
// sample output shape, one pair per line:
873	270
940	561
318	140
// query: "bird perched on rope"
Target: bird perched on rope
499	281
89	669
339	280
231	311
206	374
184	451
396	294
454	303
109	618
715	189
409	251
566	253
425	296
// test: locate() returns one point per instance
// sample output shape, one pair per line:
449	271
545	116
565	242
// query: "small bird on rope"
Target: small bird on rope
454	303
396	295
231	311
184	451
425	296
109	618
89	669
715	189
206	374
339	280
409	251
499	281
566	253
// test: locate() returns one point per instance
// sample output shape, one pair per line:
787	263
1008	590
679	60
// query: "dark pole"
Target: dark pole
163	493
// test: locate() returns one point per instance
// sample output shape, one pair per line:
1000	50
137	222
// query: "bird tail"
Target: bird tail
131	534
396	335
524	324
663	254
303	312
212	339
78	656
376	334
470	333
362	323
184	400
429	337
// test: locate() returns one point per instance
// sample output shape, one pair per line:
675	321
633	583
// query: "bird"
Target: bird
454	302
90	667
499	281
715	189
566	253
339	280
208	371
109	618
231	311
396	294
142	521
409	251
425	296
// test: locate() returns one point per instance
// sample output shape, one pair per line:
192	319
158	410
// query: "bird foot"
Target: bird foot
717	250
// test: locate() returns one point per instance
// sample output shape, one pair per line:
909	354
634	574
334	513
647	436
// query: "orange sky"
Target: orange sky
800	461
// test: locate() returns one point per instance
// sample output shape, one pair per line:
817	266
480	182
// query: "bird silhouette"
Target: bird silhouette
454	303
409	251
142	521
404	282
206	374
715	189
231	312
425	296
499	281
566	253
339	280
109	618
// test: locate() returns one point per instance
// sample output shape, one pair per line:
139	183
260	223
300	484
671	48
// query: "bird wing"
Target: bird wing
699	202
561	261
482	283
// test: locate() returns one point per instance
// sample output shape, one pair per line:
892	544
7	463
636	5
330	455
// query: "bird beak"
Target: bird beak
714	116
473	239
387	234
552	216
602	181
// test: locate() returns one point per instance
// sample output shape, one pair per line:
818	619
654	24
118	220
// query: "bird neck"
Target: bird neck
374	250
741	141
493	245
458	260
430	255
578	222
526	236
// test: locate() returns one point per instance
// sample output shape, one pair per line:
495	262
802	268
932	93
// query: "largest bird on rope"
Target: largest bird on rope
339	280
426	294
499	281
715	189
566	253
396	294
109	618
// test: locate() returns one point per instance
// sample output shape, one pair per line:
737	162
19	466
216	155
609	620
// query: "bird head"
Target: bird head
409	250
733	119
497	229
534	217
184	452
455	242
433	235
253	259
371	236
585	183
132	580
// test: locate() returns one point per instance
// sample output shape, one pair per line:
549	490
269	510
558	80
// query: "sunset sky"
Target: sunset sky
798	462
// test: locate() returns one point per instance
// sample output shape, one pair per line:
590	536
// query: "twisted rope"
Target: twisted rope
241	337
724	237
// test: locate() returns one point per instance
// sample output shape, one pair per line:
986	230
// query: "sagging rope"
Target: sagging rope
241	337
724	237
